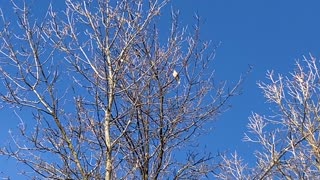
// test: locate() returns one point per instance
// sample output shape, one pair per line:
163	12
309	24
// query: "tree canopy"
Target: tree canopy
110	98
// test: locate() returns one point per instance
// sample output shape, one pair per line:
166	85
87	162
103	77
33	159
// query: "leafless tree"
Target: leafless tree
111	97
288	138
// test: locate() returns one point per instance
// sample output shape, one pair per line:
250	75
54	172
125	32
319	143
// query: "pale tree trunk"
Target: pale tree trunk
108	119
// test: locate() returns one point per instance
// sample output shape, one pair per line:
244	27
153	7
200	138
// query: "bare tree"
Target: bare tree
288	138
111	98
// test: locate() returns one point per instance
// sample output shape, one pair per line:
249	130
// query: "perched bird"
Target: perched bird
175	74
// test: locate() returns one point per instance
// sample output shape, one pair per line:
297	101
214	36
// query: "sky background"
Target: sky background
265	34
268	35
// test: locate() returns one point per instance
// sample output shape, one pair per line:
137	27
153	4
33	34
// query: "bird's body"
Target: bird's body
175	74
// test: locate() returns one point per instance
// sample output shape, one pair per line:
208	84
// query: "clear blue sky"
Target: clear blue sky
267	34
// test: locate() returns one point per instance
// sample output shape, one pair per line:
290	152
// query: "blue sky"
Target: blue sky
267	34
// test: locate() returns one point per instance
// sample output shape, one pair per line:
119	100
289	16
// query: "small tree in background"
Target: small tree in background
289	139
109	98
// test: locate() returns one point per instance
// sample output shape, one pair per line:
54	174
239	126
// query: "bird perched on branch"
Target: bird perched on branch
175	74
